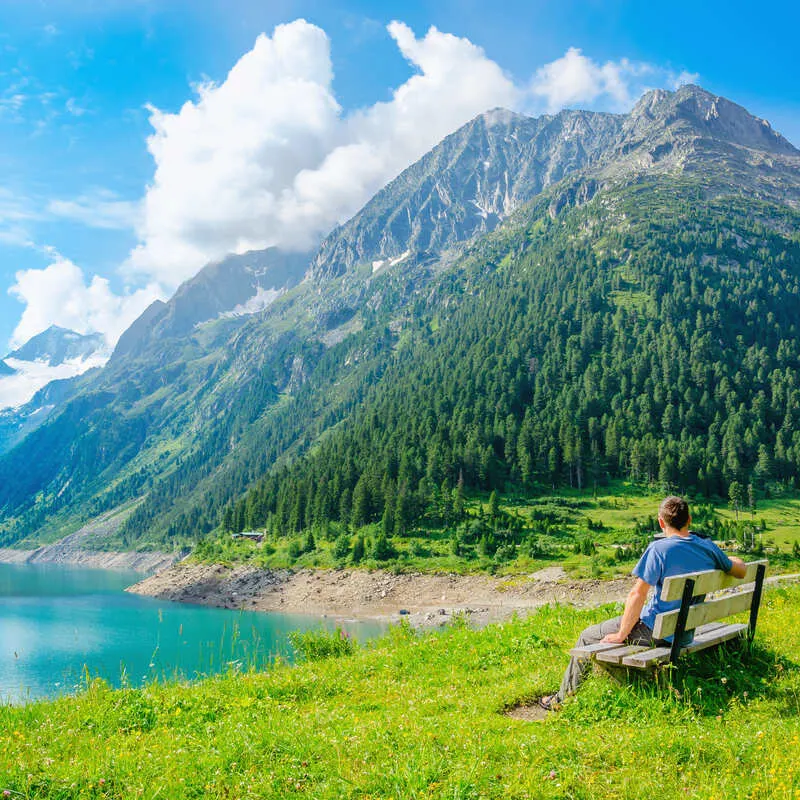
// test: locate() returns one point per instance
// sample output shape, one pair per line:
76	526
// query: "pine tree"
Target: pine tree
736	496
341	547
358	549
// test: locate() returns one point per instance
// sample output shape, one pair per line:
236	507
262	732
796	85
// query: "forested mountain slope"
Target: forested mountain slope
593	334
650	334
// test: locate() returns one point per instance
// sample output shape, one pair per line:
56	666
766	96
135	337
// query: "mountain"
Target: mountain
466	186
467	308
57	345
237	286
55	355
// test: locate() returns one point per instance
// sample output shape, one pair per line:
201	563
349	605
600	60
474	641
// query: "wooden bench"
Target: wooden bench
693	615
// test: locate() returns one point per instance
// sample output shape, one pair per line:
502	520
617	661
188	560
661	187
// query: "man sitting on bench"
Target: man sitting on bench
679	552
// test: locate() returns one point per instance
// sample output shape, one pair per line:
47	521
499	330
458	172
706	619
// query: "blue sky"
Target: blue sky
79	80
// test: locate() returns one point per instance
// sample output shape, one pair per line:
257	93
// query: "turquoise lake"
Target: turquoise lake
60	623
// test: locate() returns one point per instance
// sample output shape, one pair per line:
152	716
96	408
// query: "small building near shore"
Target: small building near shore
253	536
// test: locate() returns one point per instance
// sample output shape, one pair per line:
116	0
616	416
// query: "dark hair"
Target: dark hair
674	511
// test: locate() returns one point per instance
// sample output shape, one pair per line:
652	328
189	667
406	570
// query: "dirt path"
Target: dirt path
425	600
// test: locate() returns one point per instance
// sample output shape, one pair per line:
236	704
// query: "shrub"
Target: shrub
295	551
341	549
319	644
358	549
383	550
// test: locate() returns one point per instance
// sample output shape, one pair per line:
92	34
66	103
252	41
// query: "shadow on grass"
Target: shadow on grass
734	672
707	684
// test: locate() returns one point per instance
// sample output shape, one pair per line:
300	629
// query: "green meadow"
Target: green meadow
421	715
591	534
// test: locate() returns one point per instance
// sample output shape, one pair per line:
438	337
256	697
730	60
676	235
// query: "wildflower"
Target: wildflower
724	680
6	793
552	775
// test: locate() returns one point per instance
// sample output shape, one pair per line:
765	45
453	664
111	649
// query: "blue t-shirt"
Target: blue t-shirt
675	555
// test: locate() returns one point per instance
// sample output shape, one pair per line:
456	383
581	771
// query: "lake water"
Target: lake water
57	623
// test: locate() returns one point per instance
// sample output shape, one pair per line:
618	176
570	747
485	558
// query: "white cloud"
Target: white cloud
223	161
60	295
19	388
575	79
99	208
267	158
73	107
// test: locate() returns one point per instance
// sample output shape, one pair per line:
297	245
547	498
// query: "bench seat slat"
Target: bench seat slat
715	637
710	580
703	612
588	650
617	655
708	627
649	658
709	638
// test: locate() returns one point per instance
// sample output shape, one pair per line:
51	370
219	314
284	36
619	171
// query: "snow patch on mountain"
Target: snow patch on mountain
263	298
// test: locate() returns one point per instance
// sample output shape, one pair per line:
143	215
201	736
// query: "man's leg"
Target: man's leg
579	668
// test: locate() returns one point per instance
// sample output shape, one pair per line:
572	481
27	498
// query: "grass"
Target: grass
420	716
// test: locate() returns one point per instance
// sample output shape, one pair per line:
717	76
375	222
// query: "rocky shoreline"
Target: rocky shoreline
81	548
57	554
425	600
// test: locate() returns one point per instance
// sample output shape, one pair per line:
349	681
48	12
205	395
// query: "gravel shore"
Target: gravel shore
425	600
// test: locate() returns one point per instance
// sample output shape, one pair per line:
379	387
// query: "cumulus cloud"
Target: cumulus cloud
60	295
224	160
577	79
267	157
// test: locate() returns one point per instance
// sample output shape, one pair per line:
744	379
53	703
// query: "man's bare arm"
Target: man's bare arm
633	608
738	567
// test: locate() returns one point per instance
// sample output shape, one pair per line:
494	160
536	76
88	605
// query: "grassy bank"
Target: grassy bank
420	716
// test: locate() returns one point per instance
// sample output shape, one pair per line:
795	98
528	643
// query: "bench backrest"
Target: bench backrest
710	580
674	588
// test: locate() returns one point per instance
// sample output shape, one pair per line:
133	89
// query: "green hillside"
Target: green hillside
636	321
650	335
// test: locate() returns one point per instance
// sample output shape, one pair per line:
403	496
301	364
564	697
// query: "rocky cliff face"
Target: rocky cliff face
466	186
237	286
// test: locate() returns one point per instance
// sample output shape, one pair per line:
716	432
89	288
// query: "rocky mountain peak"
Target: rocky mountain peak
57	345
694	108
465	186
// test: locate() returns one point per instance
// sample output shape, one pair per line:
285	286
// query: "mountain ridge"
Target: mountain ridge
209	408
